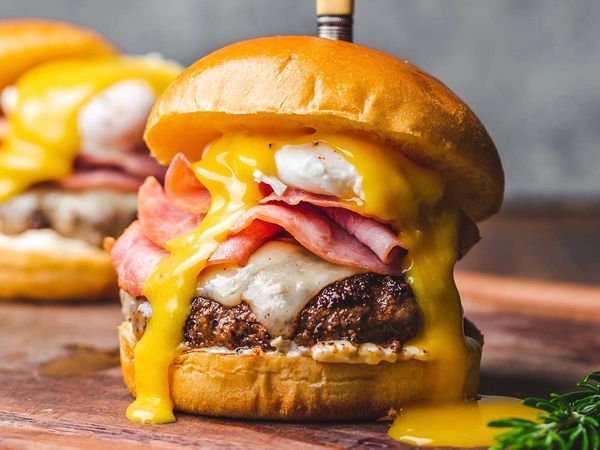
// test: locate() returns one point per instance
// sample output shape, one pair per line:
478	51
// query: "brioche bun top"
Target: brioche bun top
28	42
288	82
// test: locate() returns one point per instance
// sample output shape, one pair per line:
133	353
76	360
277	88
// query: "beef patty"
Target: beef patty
85	215
362	308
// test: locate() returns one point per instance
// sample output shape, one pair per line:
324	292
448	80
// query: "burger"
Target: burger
71	156
297	263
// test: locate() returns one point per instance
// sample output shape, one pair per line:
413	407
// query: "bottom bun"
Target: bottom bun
280	387
66	270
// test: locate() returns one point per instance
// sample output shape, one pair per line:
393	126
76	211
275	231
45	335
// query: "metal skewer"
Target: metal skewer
334	19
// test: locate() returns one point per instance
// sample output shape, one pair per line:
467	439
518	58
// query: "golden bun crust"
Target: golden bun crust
308	82
54	275
25	43
285	388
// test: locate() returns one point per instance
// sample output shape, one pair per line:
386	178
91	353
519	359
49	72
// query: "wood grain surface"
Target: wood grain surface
60	385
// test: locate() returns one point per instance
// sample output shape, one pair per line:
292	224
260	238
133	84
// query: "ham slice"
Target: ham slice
238	248
101	179
134	163
293	196
321	224
161	221
159	218
135	258
317	233
183	188
372	233
112	170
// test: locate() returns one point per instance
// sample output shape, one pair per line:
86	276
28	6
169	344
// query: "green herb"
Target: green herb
570	422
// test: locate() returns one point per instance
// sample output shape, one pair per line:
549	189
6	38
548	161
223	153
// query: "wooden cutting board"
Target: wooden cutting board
60	385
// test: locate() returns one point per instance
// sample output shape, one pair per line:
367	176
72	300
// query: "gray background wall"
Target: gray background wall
529	68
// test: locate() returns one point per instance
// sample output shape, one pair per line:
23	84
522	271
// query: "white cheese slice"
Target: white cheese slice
277	283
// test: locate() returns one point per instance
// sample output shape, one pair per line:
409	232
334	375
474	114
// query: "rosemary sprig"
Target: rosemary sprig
570	421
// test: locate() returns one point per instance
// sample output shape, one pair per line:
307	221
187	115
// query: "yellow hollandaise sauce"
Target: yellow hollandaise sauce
395	190
457	424
42	139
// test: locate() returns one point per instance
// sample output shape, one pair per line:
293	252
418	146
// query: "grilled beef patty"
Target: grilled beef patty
86	215
363	308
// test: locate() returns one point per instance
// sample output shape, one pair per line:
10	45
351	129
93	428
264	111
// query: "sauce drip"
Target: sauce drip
410	197
429	264
227	172
457	424
42	139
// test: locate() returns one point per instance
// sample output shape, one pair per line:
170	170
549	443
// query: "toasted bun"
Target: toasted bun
56	274
273	386
296	82
27	43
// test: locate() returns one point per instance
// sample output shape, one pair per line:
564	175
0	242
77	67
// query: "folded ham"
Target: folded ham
321	225
238	248
138	163
372	233
117	170
134	258
317	233
183	188
160	219
101	179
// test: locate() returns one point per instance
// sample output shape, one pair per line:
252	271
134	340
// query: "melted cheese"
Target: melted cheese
411	198
278	281
457	424
43	138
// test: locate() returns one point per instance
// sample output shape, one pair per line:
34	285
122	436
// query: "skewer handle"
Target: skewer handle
334	19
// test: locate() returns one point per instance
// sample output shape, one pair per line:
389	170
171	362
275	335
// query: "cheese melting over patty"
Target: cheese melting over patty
277	283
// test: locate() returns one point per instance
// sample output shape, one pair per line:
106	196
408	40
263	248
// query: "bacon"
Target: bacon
101	179
160	219
317	233
183	188
135	258
134	163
